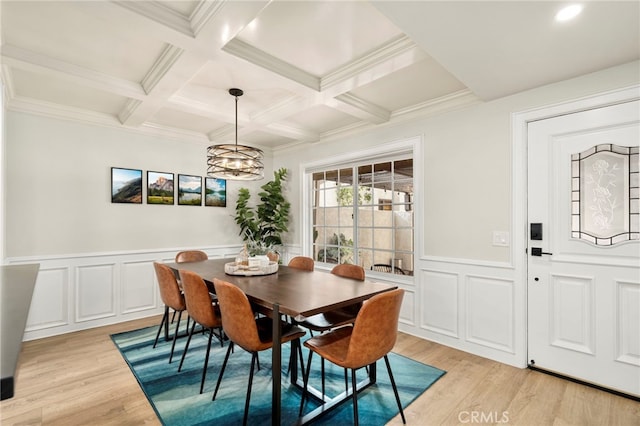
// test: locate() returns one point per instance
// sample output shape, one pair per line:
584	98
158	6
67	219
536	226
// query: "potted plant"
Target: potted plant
262	225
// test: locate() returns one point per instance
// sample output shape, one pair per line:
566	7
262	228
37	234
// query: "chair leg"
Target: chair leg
322	375
175	336
395	389
305	380
206	361
346	381
186	346
354	386
254	356
224	364
165	317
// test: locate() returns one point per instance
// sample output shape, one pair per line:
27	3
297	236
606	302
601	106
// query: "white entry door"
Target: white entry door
583	251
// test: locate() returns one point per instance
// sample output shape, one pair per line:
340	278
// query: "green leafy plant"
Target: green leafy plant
344	195
338	250
263	225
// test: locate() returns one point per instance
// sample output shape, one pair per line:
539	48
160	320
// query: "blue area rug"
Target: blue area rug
176	400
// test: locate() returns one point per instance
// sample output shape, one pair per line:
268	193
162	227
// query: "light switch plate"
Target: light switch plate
501	238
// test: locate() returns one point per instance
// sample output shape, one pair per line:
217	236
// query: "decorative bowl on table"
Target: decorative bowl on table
251	267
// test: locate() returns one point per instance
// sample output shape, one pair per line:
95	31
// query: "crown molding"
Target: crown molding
459	99
168	58
203	13
159	13
384	53
353	105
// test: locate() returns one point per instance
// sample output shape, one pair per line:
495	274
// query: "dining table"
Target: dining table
295	293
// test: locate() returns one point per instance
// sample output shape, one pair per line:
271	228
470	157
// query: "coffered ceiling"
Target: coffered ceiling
310	70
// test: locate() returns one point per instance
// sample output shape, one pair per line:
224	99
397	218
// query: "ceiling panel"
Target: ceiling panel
71	35
429	81
66	94
318	36
310	70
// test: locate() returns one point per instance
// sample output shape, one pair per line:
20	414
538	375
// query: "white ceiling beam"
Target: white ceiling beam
360	108
264	60
176	67
159	13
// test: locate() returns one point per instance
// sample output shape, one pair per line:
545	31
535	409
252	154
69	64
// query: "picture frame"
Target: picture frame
189	190
126	185
215	192
160	188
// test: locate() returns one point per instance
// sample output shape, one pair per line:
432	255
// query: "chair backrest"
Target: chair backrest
191	256
238	319
381	267
198	300
169	290
302	262
375	329
348	270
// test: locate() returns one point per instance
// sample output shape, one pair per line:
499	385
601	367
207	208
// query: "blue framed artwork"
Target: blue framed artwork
215	192
189	190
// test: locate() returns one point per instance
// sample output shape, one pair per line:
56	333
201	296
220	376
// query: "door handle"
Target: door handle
537	251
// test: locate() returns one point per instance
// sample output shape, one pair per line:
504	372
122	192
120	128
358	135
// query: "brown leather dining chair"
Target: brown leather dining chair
202	310
173	299
191	256
342	316
338	317
371	337
243	329
302	262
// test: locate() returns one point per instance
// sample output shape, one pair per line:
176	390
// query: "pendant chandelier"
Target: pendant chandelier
235	162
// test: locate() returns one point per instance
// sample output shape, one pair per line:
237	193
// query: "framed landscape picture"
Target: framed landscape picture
126	185
160	188
215	192
189	190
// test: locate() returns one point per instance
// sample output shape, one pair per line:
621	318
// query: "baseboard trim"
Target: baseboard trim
585	383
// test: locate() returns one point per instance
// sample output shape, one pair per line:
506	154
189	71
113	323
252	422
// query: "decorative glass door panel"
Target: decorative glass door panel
604	186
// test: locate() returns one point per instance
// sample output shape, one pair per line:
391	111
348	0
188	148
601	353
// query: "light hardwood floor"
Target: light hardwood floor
81	379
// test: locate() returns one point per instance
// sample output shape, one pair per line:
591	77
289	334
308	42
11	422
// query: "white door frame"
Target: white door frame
519	194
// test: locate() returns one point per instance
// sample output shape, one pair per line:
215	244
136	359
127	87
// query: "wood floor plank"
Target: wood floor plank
81	379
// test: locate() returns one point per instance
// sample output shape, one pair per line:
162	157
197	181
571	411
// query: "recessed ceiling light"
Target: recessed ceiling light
568	13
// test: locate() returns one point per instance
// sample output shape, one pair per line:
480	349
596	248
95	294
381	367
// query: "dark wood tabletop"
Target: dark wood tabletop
298	292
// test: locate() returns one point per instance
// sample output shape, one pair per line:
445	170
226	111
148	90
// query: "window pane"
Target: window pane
380	231
365	237
383	239
329	216
404	239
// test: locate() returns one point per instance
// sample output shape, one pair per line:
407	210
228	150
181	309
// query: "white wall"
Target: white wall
466	163
59	182
466	293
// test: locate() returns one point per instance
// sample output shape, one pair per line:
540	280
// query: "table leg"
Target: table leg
276	367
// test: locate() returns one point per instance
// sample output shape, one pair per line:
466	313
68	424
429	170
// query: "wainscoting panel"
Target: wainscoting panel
139	287
50	301
490	312
408	310
440	308
78	292
95	292
474	306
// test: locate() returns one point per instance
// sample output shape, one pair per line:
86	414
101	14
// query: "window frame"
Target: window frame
410	147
